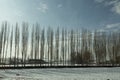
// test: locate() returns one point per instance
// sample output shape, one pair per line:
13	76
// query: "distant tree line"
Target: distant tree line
21	43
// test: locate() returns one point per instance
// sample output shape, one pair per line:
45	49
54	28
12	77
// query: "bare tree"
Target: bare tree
7	41
72	47
100	47
51	46
11	44
48	44
32	42
57	45
24	42
1	42
42	44
4	40
16	45
65	47
62	47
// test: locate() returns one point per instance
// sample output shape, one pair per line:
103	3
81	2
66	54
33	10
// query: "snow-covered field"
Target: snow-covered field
62	74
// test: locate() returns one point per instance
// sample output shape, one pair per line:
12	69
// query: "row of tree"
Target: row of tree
60	46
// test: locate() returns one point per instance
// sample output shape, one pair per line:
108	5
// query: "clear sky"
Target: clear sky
88	14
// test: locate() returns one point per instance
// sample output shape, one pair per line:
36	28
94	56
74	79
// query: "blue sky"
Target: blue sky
88	14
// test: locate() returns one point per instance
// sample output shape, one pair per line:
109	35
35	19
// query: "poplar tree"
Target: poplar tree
51	46
48	44
24	42
62	47
4	40
16	44
42	44
1	42
57	45
11	44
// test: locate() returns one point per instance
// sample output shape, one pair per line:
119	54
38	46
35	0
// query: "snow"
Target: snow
62	74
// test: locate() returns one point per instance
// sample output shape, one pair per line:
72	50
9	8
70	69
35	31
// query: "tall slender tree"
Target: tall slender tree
7	41
16	59
33	42
1	42
4	41
11	44
24	42
51	47
62	47
57	45
42	44
48	44
65	47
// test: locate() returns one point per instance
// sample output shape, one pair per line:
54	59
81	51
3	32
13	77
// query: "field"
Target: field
62	74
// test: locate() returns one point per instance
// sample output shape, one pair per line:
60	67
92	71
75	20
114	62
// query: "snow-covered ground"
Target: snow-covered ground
62	74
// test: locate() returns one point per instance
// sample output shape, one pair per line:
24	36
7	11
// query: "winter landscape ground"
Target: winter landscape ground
62	74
